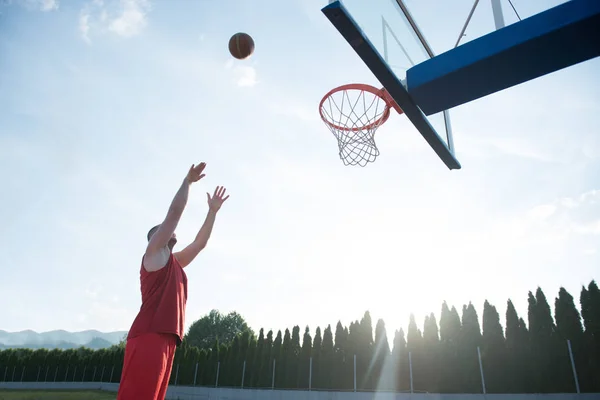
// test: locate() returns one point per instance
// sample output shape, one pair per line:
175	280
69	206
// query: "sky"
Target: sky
106	103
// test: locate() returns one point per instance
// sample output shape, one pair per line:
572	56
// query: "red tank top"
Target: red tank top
164	296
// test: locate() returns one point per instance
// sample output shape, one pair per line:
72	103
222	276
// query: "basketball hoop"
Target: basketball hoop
353	113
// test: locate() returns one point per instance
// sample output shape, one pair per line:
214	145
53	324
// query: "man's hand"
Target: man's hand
216	201
187	255
195	173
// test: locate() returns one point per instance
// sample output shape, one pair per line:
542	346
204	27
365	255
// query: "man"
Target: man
159	326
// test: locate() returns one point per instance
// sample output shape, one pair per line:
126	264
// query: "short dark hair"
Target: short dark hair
151	231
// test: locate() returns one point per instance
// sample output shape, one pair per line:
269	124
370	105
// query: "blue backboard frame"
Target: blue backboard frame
351	31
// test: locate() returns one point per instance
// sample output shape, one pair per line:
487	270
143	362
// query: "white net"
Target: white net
353	115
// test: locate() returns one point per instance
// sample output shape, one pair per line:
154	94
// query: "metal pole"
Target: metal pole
217	380
273	378
410	370
310	374
94	376
195	374
102	375
55	373
111	373
176	374
37	379
481	371
498	15
22	374
83	376
5	371
355	372
462	32
46	375
573	366
74	373
243	373
66	373
13	374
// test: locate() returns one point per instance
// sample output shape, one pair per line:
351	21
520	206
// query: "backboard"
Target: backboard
389	42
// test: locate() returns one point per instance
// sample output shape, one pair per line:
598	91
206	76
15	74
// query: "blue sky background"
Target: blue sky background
106	104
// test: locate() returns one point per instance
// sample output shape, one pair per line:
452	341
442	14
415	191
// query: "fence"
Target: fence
349	376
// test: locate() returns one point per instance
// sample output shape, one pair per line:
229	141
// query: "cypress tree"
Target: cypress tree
342	362
449	339
469	341
278	360
281	374
304	360
431	349
414	345
317	381
251	362
400	362
568	327
590	312
202	366
364	352
266	368
493	351
224	354
292	367
381	372
519	373
258	364
543	346
210	372
327	360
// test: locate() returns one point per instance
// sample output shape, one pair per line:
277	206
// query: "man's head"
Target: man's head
172	241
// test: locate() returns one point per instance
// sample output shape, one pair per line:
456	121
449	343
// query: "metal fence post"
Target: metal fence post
46	375
355	372
195	374
410	370
573	366
22	374
310	374
74	373
37	379
243	373
13	374
273	378
55	373
111	373
66	373
94	376
176	375
481	371
218	368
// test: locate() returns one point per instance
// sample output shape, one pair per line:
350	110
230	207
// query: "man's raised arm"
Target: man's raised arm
160	239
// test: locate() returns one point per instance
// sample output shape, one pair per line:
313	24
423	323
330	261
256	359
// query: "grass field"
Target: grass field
55	395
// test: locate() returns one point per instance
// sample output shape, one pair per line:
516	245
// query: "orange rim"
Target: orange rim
381	93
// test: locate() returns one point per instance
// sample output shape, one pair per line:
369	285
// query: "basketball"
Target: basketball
241	45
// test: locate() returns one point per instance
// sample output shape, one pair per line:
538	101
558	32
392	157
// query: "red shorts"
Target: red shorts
147	367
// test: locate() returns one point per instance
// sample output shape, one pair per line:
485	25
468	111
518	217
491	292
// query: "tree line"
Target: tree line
440	358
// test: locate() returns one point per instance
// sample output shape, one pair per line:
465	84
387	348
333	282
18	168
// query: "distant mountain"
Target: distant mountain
60	339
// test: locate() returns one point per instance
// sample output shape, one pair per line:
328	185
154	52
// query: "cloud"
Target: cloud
567	216
132	18
84	26
48	5
38	5
124	18
244	75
